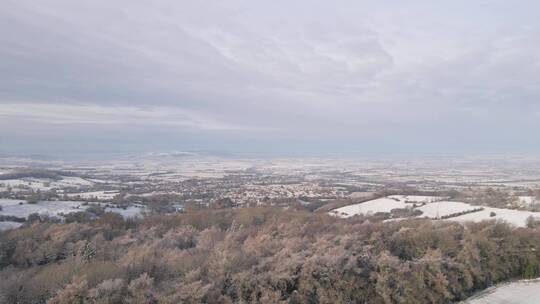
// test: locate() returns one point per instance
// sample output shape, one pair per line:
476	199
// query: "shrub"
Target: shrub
263	255
96	210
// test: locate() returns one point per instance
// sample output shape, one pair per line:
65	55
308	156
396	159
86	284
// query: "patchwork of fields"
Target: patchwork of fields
434	207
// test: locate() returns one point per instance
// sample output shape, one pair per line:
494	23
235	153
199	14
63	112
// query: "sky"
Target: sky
299	77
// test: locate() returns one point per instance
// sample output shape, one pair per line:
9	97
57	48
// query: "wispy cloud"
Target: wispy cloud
339	74
58	114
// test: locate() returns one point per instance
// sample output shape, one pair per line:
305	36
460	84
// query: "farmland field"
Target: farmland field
434	208
522	292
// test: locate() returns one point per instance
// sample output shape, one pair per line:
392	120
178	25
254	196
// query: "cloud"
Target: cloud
92	115
343	74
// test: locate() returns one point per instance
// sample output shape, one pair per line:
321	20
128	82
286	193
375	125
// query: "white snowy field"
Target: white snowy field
9	225
522	292
418	199
444	208
50	208
72	181
383	204
129	212
527	200
515	217
100	195
33	184
54	209
435	208
45	184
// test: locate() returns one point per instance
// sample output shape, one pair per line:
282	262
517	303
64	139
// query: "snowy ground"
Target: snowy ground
515	217
34	184
72	181
45	184
129	212
384	204
527	201
9	225
101	195
54	209
51	208
434	208
416	198
444	208
523	292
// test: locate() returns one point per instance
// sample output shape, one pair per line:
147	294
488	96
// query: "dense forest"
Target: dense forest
260	255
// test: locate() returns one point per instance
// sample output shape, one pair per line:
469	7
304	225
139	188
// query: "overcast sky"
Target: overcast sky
269	77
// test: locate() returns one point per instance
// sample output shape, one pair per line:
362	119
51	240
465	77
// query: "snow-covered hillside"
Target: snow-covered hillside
22	209
383	204
515	217
444	208
435	208
522	292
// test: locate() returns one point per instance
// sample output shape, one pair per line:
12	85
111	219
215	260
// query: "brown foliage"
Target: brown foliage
260	255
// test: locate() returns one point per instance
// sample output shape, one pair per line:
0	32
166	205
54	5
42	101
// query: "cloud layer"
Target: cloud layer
277	76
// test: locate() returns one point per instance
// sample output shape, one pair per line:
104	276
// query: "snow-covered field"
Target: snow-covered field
9	225
50	208
129	212
435	208
418	199
100	195
522	292
44	184
383	204
54	209
527	201
67	181
444	208
515	217
27	183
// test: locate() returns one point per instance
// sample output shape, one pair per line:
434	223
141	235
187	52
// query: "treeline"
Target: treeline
36	173
456	214
260	255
